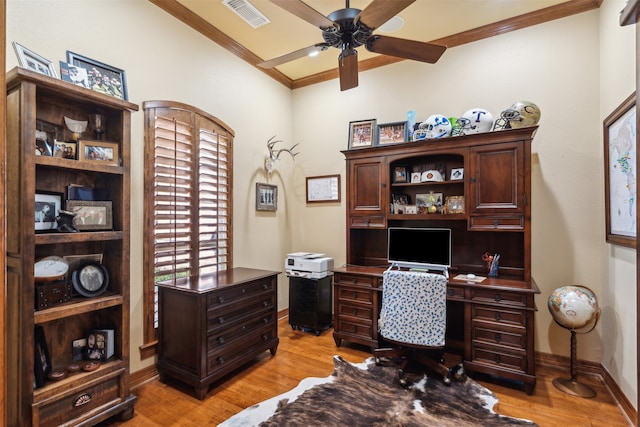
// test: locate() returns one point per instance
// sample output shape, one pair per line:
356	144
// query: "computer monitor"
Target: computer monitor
420	248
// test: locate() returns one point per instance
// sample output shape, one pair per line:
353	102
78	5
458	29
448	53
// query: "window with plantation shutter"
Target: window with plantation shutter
188	199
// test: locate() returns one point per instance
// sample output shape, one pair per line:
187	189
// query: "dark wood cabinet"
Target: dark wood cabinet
36	106
496	335
211	325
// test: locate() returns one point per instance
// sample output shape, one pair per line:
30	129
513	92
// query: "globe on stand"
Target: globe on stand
574	307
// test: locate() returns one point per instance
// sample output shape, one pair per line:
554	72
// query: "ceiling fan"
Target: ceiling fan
349	28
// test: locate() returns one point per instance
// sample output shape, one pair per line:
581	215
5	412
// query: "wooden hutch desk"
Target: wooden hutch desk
490	323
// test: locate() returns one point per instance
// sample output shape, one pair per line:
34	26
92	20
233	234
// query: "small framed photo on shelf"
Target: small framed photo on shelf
91	215
34	62
429	203
266	197
102	78
74	74
362	133
98	151
415	177
454	204
47	206
65	150
42	361
400	175
456	174
392	133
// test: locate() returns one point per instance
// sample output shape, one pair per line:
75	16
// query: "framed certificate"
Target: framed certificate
322	189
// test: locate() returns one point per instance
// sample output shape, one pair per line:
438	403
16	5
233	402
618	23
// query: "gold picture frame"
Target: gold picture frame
98	152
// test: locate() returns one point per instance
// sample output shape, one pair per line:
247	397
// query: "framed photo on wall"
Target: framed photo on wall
266	197
619	173
362	133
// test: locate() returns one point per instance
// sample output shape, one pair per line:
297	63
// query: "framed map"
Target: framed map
620	173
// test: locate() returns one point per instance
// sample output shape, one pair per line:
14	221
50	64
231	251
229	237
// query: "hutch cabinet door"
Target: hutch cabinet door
496	179
367	185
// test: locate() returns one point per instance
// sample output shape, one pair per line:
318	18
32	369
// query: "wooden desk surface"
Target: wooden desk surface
208	282
501	283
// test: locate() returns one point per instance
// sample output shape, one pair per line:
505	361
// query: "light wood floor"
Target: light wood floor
302	355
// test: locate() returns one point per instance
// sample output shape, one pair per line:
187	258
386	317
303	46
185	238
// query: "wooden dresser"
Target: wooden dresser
213	324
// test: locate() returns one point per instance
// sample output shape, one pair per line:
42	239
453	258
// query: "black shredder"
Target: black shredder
310	302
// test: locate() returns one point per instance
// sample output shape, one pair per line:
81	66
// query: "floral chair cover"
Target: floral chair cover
414	308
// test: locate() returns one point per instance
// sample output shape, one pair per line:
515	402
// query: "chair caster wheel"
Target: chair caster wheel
378	361
446	381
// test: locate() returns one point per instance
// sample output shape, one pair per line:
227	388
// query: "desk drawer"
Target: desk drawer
498	315
342	279
354	311
80	402
455	293
484	223
355	296
499	357
499	297
356	328
489	334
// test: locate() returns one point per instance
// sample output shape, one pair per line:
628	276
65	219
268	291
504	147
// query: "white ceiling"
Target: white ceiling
425	20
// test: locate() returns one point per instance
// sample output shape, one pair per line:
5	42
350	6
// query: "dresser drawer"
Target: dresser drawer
80	402
230	314
499	297
498	315
511	337
237	293
222	333
499	357
221	357
356	328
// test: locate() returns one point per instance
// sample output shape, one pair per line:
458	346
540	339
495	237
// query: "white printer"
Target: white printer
308	264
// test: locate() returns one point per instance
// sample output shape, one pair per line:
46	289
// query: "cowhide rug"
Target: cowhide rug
369	395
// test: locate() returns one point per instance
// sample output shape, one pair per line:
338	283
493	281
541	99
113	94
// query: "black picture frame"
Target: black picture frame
117	85
41	358
46	208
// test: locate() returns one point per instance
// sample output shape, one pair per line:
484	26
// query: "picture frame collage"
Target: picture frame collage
369	133
79	70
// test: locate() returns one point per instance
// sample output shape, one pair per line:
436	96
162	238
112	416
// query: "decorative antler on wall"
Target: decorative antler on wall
270	159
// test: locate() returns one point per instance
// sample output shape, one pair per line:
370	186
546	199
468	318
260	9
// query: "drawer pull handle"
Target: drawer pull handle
220	360
244	291
220	299
265	320
498	317
265	303
498	337
264	337
497	358
450	292
355	295
220	319
354	280
355	329
498	298
265	286
83	399
355	311
221	340
496	222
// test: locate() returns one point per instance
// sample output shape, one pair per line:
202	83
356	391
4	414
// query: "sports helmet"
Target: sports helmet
475	120
519	115
436	126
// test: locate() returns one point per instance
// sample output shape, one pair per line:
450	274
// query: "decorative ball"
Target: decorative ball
573	307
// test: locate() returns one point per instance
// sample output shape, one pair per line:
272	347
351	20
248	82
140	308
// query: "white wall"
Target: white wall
559	65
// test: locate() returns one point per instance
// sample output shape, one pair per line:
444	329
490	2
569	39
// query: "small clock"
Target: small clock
90	279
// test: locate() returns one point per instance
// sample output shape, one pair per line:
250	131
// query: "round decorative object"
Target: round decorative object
57	375
50	268
90	366
72	368
573	307
90	280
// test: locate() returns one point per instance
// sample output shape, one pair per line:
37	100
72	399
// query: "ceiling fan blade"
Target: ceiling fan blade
380	11
348	69
306	12
301	53
408	49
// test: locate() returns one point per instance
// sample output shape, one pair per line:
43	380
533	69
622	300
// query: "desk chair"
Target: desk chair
413	320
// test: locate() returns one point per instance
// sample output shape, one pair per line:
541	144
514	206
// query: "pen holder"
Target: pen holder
493	269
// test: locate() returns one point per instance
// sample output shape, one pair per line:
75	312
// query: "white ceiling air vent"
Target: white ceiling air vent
247	11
